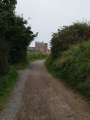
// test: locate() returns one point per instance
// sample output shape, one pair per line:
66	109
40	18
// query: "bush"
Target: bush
73	66
69	35
3	57
15	36
35	55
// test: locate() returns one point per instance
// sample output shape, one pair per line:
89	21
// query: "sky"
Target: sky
46	16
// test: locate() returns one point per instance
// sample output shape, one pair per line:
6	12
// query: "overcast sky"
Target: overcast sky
48	15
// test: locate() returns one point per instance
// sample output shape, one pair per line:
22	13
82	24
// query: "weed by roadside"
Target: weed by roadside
6	84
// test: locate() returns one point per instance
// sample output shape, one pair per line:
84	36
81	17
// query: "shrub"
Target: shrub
73	66
69	35
35	55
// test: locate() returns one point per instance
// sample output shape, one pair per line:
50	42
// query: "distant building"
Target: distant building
39	47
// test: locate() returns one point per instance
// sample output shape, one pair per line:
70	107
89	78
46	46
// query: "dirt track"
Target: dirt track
46	98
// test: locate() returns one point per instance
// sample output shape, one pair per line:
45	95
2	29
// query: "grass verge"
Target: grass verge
7	82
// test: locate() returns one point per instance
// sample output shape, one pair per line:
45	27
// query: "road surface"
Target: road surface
39	96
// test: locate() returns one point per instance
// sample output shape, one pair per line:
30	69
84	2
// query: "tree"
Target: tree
6	13
15	36
67	36
21	37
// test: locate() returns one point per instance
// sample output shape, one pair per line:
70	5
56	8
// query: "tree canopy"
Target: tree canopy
68	35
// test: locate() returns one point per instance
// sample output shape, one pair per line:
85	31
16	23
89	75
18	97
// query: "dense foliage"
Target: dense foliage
68	35
73	66
7	82
35	55
15	36
70	57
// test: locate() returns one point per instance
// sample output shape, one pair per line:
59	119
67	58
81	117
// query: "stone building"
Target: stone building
39	47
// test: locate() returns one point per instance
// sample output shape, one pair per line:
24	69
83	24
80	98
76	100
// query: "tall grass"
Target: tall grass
31	56
6	84
73	66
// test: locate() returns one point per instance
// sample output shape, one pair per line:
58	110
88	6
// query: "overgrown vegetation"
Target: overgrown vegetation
68	35
71	60
15	36
6	84
31	56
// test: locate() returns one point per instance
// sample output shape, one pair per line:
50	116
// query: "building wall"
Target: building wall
45	46
40	47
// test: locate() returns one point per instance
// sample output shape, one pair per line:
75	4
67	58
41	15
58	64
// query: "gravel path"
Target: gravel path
39	96
13	104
